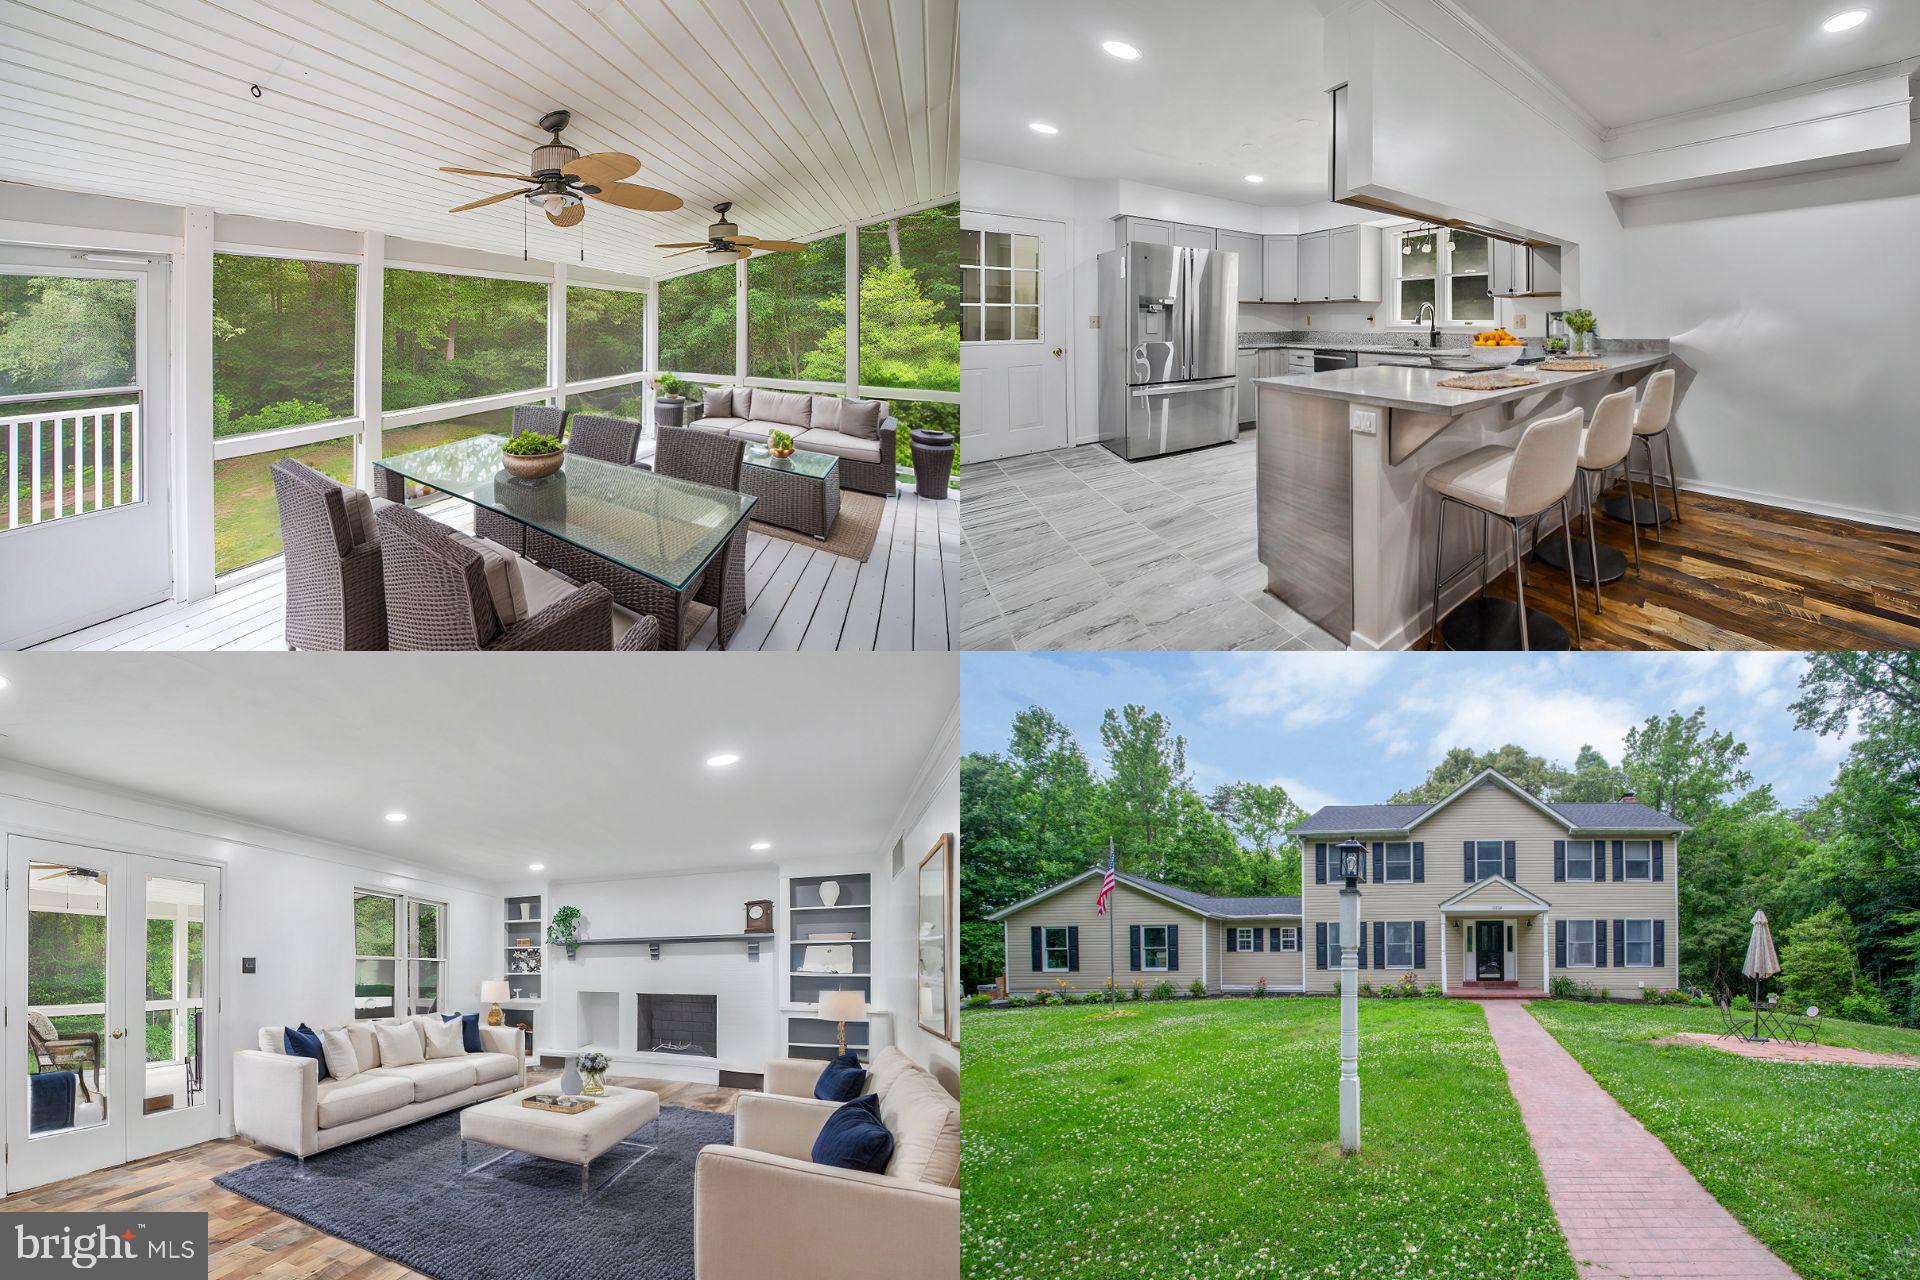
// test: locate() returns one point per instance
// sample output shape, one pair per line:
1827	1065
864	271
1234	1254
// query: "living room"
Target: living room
354	966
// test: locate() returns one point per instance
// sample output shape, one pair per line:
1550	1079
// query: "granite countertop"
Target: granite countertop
1408	387
1380	348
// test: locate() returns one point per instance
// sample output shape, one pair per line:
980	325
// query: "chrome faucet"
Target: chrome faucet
1432	318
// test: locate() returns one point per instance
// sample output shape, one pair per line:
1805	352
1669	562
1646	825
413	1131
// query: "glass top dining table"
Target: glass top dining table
662	528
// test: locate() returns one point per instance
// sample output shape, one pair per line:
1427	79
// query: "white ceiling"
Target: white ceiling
1628	61
594	767
805	113
1219	91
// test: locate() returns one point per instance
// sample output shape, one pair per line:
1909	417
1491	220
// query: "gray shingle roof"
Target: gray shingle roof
1360	817
1627	815
1341	819
1218	906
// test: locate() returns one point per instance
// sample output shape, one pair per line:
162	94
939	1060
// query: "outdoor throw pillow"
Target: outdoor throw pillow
862	418
854	1138
445	1039
469	1030
400	1043
303	1043
718	403
842	1079
337	1046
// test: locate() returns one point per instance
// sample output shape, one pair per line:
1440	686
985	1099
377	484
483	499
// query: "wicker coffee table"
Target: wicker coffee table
799	492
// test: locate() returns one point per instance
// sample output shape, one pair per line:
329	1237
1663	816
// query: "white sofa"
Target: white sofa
866	450
279	1100
762	1208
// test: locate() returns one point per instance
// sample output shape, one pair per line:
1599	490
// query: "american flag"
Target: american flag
1106	887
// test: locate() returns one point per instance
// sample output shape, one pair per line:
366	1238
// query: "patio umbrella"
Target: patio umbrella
1762	961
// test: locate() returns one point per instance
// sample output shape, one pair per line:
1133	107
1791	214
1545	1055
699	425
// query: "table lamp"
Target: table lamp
493	992
843	1007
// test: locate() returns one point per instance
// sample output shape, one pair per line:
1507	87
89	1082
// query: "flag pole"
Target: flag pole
1113	975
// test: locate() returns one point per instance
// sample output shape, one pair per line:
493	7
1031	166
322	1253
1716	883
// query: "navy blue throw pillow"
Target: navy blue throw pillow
304	1042
854	1138
469	1030
842	1080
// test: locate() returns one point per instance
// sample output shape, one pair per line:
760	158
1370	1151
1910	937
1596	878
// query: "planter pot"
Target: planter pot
779	453
932	461
532	466
670	411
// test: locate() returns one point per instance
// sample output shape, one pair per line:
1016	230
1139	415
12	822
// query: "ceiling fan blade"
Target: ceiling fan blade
684	244
684	252
745	252
504	195
602	167
780	246
646	199
487	173
569	216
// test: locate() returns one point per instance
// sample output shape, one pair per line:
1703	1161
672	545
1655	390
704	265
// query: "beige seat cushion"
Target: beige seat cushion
545	588
360	516
840	445
430	1080
503	580
784	408
754	431
1478	478
924	1120
368	1094
575	1139
492	1066
718	426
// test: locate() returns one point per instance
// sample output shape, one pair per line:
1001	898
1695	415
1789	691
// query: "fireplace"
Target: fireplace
678	1024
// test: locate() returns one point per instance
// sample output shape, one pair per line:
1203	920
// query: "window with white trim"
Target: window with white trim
1639	948
1053	950
1399	944
1399	862
1489	858
399	960
1579	944
1289	939
1580	855
1153	947
1446	268
1243	939
1639	860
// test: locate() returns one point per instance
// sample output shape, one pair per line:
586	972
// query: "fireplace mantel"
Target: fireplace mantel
653	945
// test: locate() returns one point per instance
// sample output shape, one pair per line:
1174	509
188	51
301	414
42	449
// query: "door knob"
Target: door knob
1058	350
119	1033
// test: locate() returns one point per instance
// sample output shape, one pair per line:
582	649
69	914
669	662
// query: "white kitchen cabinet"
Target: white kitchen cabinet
1517	271
1191	237
1141	231
1280	268
1297	360
1313	279
1246	367
1341	264
1247	248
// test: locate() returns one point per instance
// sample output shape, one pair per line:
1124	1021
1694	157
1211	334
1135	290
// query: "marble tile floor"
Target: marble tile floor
1077	549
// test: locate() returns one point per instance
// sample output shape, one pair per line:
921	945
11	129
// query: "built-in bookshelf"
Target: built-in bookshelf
523	952
829	945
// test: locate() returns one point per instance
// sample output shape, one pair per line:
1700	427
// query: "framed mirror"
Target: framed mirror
935	941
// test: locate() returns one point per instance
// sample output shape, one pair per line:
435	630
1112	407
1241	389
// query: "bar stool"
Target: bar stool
1603	446
1651	419
1517	485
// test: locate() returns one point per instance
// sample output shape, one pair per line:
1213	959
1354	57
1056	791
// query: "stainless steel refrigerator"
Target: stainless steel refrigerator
1167	347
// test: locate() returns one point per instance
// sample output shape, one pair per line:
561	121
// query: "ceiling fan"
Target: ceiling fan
62	873
563	179
725	241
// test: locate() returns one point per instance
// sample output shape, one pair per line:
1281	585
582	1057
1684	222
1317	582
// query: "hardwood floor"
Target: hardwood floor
905	596
249	1240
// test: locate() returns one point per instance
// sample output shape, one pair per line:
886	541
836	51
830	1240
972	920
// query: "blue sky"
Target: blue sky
1341	728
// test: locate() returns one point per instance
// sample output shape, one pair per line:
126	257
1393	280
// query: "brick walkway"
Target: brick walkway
1627	1206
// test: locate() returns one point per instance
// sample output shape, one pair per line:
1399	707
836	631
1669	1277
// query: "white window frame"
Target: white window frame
406	990
1590	944
1442	279
1406	855
1479	859
1147	949
1627	945
1594	852
1243	938
1406	925
1047	949
1626	860
1289	937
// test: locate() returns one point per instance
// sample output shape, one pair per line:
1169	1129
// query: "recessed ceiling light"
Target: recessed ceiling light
722	760
760	846
3	682
1254	177
1120	49
1039	127
536	866
396	816
1846	21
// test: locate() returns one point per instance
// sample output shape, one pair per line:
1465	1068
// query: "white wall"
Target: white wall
932	810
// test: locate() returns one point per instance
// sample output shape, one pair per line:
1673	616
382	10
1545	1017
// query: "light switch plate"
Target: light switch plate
1093	322
246	964
1364	422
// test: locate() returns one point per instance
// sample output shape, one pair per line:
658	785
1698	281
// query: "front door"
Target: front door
1013	336
1489	950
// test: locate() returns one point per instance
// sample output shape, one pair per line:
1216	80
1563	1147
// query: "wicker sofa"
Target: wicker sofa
818	423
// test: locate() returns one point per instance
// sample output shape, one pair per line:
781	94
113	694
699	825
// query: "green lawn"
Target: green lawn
1821	1163
1202	1140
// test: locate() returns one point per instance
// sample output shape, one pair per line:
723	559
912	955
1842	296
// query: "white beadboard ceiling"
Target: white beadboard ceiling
805	113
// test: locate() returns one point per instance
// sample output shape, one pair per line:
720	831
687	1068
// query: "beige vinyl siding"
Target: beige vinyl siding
1075	906
1243	968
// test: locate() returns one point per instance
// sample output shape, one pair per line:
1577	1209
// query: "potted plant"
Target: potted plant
530	455
780	444
1581	324
564	929
593	1065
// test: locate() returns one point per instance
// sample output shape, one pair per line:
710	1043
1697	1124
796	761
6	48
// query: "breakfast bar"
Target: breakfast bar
1344	521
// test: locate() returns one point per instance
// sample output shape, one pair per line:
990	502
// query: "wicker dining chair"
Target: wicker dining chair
493	526
438	599
55	1052
335	596
592	435
688	453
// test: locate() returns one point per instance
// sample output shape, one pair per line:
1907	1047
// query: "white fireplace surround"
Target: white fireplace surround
609	1021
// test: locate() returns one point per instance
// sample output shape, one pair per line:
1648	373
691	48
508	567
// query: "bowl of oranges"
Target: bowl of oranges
1497	346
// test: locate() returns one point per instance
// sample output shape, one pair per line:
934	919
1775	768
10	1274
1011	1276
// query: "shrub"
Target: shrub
1866	1005
1259	988
1743	1004
1432	991
1818	964
1094	997
978	1001
1162	990
1366	989
1408	985
1018	1002
1336	986
1138	990
1561	988
1198	989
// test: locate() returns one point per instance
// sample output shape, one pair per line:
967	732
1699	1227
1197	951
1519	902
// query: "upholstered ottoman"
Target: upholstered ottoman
580	1139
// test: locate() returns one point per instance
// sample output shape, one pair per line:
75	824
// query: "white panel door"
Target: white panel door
1015	277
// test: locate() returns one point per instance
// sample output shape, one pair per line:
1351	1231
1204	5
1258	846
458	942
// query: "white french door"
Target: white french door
112	996
84	515
1015	277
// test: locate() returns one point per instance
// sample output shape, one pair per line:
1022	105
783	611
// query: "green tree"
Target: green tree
58	333
1146	772
1675	764
1259	815
1535	775
1817	963
1594	781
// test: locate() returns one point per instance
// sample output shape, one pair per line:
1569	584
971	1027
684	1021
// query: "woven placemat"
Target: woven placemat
1487	381
1572	366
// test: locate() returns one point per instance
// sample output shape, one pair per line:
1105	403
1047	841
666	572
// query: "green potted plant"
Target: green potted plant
530	455
593	1066
1581	324
780	444
564	929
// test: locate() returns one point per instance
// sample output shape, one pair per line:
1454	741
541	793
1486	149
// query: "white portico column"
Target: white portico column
1349	1020
1446	922
1546	950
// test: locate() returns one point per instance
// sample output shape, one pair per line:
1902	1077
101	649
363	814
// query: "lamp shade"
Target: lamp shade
842	1006
494	991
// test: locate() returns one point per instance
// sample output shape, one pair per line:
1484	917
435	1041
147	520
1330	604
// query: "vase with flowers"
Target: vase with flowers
1581	325
593	1067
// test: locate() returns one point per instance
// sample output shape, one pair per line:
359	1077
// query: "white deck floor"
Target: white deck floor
906	596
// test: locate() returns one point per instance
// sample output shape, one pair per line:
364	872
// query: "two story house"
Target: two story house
1488	890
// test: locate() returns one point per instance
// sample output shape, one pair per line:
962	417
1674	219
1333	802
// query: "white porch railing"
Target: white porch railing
177	1013
69	462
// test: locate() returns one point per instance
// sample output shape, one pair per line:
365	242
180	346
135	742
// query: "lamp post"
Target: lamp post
1351	853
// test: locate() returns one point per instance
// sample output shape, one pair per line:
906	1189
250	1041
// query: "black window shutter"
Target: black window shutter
1233	938
1259	939
1039	960
1379	944
1320	944
1319	862
1659	859
1559	944
1599	859
1600	943
1419	944
1619	944
1469	862
1559	860
1073	948
1133	947
1659	943
1511	875
1273	939
1379	862
1419	862
1173	946
1619	859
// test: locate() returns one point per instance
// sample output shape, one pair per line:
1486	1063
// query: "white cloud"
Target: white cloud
1306	795
1299	690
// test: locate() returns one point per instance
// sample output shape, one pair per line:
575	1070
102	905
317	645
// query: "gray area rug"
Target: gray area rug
401	1195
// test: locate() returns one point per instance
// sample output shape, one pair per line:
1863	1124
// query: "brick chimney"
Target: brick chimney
1626	797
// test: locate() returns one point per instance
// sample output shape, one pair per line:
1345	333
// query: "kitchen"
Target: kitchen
1161	470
